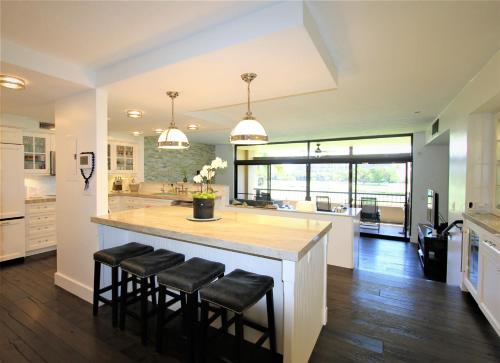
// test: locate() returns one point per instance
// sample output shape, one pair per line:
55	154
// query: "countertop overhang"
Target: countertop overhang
274	237
488	221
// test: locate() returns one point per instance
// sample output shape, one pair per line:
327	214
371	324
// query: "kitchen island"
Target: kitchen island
292	251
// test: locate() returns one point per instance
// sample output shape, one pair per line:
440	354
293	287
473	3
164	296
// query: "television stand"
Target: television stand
432	252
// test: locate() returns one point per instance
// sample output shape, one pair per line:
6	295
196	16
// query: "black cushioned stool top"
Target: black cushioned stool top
191	275
113	256
152	263
238	290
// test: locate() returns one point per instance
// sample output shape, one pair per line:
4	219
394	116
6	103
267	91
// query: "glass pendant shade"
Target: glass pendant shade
173	138
248	132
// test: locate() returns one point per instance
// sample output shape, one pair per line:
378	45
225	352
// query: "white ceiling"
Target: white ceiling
392	58
37	100
97	33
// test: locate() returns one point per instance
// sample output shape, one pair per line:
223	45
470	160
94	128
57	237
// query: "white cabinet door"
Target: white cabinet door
37	148
490	282
11	181
12	235
11	135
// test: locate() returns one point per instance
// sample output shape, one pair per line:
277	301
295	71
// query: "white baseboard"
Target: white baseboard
76	288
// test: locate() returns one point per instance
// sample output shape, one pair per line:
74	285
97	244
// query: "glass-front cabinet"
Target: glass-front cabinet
122	157
36	153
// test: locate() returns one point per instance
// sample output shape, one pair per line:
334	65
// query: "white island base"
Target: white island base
299	290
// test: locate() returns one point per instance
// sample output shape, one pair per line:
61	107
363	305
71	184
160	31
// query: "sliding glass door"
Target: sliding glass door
383	188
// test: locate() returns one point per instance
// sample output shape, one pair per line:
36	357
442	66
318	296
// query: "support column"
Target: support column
81	126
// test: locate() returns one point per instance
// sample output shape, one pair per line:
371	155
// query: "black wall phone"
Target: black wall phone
86	161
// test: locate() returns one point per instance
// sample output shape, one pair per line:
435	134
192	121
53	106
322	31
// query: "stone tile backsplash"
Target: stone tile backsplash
169	165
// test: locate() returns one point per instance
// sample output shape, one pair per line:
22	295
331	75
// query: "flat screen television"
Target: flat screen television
433	209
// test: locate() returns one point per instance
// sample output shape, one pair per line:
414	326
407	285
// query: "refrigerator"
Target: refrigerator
12	198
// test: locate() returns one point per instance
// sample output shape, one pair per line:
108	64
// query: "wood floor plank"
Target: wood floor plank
386	312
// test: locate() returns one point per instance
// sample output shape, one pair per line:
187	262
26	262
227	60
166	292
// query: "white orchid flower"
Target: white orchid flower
198	179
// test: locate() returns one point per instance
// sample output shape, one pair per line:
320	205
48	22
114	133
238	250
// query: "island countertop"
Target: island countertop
262	235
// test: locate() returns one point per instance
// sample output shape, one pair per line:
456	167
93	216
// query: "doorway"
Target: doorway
382	190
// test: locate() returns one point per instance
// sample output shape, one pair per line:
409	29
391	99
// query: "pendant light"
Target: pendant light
248	131
173	138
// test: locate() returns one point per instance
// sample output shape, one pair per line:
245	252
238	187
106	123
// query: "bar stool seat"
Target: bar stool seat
144	268
151	263
113	256
191	275
238	290
186	278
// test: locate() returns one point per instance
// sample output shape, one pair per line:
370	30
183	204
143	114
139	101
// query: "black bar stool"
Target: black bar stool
186	278
112	258
143	268
237	292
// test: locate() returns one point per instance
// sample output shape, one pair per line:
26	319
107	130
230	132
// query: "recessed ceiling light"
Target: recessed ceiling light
135	113
12	82
158	131
193	127
136	133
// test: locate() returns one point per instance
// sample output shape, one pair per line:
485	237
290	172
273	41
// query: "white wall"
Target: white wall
430	171
457	120
81	126
226	176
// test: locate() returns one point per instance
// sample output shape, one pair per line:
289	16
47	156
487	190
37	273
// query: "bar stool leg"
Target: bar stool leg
160	318
223	318
204	331
144	310
192	309
123	298
114	294
152	282
239	336
97	287
270	322
184	313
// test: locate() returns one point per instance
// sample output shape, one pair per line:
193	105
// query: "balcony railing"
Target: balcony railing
340	198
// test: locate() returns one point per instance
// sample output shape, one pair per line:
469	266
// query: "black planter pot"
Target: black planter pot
203	208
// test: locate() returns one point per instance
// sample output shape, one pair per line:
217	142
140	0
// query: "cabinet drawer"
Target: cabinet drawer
40	208
42	219
35	243
41	230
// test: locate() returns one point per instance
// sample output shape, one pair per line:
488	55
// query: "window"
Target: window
272	151
330	180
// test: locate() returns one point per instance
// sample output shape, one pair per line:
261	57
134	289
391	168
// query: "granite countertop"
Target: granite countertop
488	221
348	212
167	196
275	237
42	199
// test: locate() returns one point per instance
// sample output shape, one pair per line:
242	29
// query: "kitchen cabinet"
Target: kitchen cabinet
40	227
481	269
489	257
11	239
37	147
122	157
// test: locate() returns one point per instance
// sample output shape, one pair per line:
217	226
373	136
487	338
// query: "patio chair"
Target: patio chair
370	214
323	204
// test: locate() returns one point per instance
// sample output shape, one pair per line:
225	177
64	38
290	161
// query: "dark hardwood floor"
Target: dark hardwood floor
389	257
372	318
